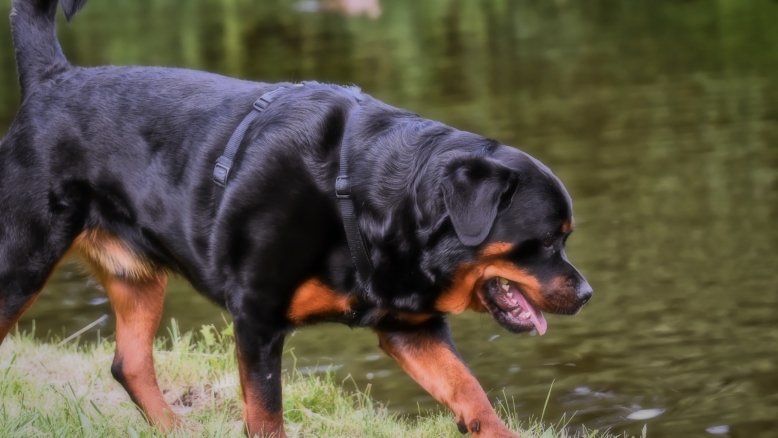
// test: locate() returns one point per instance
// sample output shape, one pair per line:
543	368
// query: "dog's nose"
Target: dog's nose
585	292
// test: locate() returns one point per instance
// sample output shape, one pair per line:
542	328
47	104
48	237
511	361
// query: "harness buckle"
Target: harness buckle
265	99
343	187
222	171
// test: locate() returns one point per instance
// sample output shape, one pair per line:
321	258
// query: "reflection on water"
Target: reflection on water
660	116
371	8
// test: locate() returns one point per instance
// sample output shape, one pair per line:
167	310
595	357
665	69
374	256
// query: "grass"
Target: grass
65	389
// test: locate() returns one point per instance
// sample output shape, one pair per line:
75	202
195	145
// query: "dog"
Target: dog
116	164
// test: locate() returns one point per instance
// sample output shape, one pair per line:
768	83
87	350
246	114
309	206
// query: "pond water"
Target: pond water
661	117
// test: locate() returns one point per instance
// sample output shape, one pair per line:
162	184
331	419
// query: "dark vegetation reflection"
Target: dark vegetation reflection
660	116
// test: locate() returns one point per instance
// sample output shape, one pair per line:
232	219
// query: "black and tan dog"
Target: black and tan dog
115	164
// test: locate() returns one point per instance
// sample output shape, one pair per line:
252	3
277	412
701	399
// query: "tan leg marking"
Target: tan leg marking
431	363
109	253
136	289
6	326
315	299
138	307
257	420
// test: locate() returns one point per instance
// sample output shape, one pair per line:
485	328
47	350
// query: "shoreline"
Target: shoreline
65	388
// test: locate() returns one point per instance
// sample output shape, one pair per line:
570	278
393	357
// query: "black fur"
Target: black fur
131	150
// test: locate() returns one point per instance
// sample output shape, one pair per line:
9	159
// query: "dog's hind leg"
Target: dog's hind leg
29	252
12	307
138	307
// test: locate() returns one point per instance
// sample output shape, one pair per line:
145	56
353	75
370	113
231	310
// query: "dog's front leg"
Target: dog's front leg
259	365
427	354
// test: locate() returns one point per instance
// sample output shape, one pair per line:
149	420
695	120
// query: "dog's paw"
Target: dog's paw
489	429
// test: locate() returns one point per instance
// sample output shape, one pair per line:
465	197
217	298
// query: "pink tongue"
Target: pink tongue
536	316
539	320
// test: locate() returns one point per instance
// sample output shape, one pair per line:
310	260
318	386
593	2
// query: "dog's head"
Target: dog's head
515	215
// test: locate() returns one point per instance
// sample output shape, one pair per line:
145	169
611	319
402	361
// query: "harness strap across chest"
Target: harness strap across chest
354	236
356	243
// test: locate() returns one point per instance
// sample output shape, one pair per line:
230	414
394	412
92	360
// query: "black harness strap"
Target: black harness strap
354	236
356	243
221	172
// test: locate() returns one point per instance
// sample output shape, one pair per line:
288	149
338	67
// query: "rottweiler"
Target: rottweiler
116	164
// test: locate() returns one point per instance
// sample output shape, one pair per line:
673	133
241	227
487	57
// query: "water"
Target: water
660	116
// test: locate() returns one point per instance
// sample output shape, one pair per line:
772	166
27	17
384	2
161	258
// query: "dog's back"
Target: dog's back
119	149
111	109
126	149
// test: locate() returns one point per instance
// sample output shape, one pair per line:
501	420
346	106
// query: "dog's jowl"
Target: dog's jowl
119	165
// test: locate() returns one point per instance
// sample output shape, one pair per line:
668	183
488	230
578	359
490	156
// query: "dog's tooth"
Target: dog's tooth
505	287
503	280
510	294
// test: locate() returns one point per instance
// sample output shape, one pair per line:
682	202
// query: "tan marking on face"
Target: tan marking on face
314	299
109	254
559	283
468	280
529	284
562	295
496	249
461	296
568	226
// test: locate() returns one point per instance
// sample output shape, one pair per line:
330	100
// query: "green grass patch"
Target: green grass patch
65	389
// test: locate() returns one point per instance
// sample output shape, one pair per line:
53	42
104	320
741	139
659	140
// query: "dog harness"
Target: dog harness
221	172
356	244
354	236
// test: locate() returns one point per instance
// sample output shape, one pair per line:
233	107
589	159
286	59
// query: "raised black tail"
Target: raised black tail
38	53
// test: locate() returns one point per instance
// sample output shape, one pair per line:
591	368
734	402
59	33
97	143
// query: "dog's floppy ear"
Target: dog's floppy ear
474	189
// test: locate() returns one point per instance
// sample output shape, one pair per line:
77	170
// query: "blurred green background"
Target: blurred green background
660	116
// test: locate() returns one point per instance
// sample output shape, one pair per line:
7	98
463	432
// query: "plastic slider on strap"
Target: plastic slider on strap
266	99
222	171
343	187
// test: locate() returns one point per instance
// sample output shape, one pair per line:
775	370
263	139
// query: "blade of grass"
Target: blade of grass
545	405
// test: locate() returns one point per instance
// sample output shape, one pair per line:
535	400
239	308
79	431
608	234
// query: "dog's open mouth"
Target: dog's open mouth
513	311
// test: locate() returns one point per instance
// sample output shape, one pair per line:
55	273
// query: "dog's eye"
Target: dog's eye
548	243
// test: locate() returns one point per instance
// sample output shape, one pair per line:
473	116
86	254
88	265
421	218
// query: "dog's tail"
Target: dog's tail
38	53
